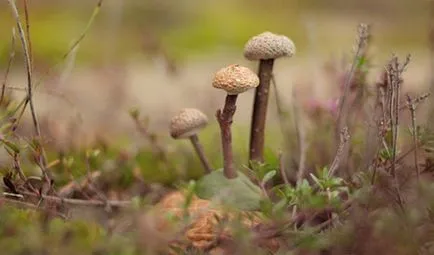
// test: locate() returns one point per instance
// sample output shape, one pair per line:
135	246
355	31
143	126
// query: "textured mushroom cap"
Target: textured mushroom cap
268	46
235	79
187	122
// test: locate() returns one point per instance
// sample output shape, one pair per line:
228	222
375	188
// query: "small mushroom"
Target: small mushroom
187	124
265	47
234	79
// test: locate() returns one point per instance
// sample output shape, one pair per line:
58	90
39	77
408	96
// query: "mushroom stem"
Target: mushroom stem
199	150
224	119
259	115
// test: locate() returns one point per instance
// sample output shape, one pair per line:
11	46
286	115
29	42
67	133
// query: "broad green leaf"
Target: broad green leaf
239	192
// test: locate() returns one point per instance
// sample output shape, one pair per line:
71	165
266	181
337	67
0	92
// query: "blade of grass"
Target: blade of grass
8	67
76	43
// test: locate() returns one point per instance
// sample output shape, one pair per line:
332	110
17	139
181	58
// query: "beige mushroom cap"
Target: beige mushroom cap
235	79
188	122
268	46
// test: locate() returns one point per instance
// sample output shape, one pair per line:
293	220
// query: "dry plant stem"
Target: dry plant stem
76	42
17	168
344	138
301	138
71	201
259	115
283	170
8	67
362	41
29	99
224	119
99	193
415	135
431	49
26	15
200	152
156	147
417	100
280	111
394	72
74	185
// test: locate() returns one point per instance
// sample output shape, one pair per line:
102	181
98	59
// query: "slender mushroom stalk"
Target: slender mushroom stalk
200	152
186	124
234	79
225	119
265	47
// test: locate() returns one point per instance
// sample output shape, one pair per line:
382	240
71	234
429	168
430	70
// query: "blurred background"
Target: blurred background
159	56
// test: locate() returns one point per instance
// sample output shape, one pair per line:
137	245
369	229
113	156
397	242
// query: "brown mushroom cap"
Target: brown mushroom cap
235	79
187	122
268	46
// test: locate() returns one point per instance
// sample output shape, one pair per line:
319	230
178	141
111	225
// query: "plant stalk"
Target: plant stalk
259	115
200	152
224	119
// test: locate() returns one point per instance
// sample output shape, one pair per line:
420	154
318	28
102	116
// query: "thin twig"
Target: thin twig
53	93
394	73
42	158
280	111
71	201
8	67
299	132
298	127
157	148
361	46
283	170
76	43
100	194
344	138
412	108
416	100
26	15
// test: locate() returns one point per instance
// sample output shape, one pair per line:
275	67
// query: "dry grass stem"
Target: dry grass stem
46	173
8	67
344	138
361	47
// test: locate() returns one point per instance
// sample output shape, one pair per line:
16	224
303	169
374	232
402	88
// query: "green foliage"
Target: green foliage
238	192
26	232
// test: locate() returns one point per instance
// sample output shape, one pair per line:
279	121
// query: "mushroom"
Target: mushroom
234	79
186	124
265	47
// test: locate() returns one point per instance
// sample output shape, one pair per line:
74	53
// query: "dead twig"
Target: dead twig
412	107
29	98
394	76
71	201
91	185
361	47
344	138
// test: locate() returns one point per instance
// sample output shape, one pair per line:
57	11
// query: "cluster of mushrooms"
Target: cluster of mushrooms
234	79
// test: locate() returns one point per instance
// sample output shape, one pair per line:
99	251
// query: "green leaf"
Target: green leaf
268	176
11	146
238	192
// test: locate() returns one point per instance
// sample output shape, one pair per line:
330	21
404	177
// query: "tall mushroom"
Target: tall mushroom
234	79
265	47
186	124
